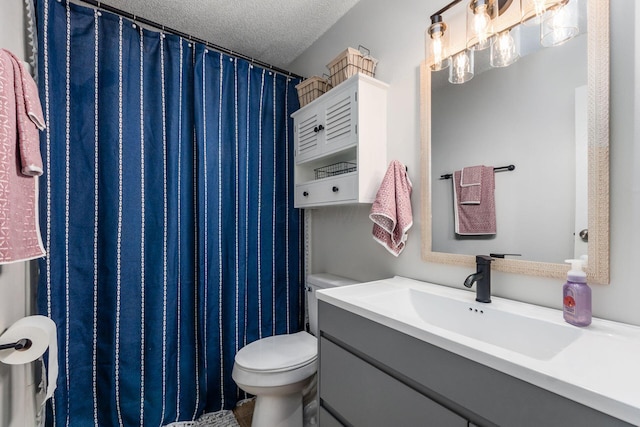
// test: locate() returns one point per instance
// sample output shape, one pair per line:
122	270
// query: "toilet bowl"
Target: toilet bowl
276	370
279	368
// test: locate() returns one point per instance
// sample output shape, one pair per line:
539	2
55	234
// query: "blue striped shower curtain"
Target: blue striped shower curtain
167	217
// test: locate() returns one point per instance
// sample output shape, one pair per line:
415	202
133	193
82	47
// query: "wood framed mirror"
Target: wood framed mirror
597	139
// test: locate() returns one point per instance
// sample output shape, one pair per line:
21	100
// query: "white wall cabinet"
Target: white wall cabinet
341	144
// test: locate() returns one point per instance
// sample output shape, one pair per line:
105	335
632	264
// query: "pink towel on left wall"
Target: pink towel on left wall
391	210
20	162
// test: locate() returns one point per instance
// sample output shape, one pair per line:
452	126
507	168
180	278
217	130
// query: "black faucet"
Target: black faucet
482	277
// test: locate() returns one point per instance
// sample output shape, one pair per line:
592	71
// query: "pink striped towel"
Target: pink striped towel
20	162
391	210
480	218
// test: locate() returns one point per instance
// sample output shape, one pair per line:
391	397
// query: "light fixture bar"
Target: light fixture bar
502	5
444	9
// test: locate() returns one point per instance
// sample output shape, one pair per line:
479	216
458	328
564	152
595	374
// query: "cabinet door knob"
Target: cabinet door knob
305	194
318	128
335	189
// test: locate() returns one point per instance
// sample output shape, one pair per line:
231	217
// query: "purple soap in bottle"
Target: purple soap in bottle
576	296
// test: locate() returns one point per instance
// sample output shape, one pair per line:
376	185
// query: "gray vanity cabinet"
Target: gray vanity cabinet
372	375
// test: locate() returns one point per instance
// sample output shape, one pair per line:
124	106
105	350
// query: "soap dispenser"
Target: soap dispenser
576	296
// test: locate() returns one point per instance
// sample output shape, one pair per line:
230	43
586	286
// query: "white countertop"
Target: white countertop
600	369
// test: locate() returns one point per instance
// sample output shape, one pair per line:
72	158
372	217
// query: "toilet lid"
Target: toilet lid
279	352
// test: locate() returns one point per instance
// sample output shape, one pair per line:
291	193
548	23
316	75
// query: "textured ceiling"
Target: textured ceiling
272	31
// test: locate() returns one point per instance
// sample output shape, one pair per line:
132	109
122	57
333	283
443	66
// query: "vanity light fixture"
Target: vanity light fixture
560	24
461	69
532	11
480	34
480	17
558	21
505	50
437	42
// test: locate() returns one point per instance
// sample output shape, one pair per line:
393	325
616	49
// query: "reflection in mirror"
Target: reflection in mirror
506	122
547	114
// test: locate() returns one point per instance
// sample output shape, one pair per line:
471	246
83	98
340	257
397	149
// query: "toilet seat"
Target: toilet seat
278	353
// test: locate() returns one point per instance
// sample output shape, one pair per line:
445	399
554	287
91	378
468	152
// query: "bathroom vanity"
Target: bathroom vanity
404	352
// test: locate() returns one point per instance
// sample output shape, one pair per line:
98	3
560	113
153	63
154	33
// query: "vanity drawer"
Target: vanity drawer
335	190
367	396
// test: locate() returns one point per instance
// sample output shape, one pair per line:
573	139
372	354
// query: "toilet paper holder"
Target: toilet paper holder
23	344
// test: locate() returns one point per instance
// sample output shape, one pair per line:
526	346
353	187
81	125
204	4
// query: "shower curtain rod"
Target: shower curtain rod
138	19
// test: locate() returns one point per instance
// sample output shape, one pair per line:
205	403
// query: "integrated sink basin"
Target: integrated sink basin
487	323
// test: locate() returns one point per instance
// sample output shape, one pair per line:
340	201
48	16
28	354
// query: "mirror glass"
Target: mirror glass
536	115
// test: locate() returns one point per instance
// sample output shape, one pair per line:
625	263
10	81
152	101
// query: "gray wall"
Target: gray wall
394	31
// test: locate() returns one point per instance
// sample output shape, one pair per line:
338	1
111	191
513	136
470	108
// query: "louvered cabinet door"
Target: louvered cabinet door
307	134
341	120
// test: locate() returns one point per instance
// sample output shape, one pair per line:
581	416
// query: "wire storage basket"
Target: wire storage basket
311	88
335	169
350	62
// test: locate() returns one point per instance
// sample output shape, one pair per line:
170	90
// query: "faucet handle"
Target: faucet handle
483	259
503	255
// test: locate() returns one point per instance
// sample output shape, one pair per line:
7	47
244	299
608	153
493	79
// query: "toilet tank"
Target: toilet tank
316	282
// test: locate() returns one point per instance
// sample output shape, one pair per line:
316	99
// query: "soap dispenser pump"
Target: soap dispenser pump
576	296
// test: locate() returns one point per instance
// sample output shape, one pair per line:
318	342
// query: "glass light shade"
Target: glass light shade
437	43
532	11
560	24
505	50
461	68
480	18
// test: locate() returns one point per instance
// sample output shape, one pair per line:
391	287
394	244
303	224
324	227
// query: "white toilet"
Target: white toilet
278	369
